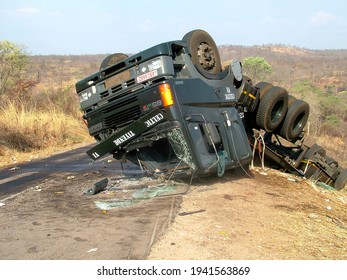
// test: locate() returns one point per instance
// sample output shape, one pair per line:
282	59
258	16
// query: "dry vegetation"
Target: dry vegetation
41	114
42	110
24	129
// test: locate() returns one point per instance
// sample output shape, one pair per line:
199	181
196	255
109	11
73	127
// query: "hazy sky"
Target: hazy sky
129	26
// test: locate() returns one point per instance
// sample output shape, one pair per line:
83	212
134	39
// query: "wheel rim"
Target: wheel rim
277	111
206	56
298	123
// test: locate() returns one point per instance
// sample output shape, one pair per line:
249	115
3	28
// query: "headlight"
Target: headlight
87	93
154	64
84	97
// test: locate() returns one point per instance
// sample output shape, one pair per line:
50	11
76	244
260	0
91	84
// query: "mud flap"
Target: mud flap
221	162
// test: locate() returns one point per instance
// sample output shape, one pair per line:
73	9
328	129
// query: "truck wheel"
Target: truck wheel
291	99
250	117
295	120
204	51
314	149
112	59
263	87
341	180
272	108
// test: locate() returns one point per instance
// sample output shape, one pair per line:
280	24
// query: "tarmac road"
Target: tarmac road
22	176
46	215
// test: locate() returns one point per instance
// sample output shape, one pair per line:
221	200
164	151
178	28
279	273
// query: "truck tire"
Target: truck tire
272	108
341	180
112	59
250	117
263	87
204	52
295	119
291	99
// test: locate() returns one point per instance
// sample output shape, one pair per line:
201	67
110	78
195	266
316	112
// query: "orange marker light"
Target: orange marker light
166	95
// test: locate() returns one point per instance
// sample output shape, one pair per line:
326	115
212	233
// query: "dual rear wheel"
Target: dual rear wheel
281	113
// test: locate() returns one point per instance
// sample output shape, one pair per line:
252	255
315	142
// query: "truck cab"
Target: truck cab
160	111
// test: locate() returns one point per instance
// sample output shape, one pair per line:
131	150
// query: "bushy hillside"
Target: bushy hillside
322	68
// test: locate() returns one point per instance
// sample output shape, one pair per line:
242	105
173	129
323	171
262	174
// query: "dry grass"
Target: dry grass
26	130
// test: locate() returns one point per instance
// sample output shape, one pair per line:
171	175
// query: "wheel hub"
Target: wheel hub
206	57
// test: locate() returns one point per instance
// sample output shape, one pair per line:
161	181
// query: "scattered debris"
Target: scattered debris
145	193
291	179
37	188
139	195
312	215
13	169
92	250
115	203
70	177
329	208
98	187
325	186
192	212
133	182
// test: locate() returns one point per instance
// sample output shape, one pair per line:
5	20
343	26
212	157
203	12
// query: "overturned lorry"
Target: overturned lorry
174	111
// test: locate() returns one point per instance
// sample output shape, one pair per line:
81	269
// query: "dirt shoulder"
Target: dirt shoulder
270	216
267	216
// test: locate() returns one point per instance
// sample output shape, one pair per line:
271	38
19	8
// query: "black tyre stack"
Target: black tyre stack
280	113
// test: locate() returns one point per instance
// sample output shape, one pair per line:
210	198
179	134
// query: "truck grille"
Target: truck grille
119	104
122	117
113	119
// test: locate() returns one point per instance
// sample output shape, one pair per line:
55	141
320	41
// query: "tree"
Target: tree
13	62
256	67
